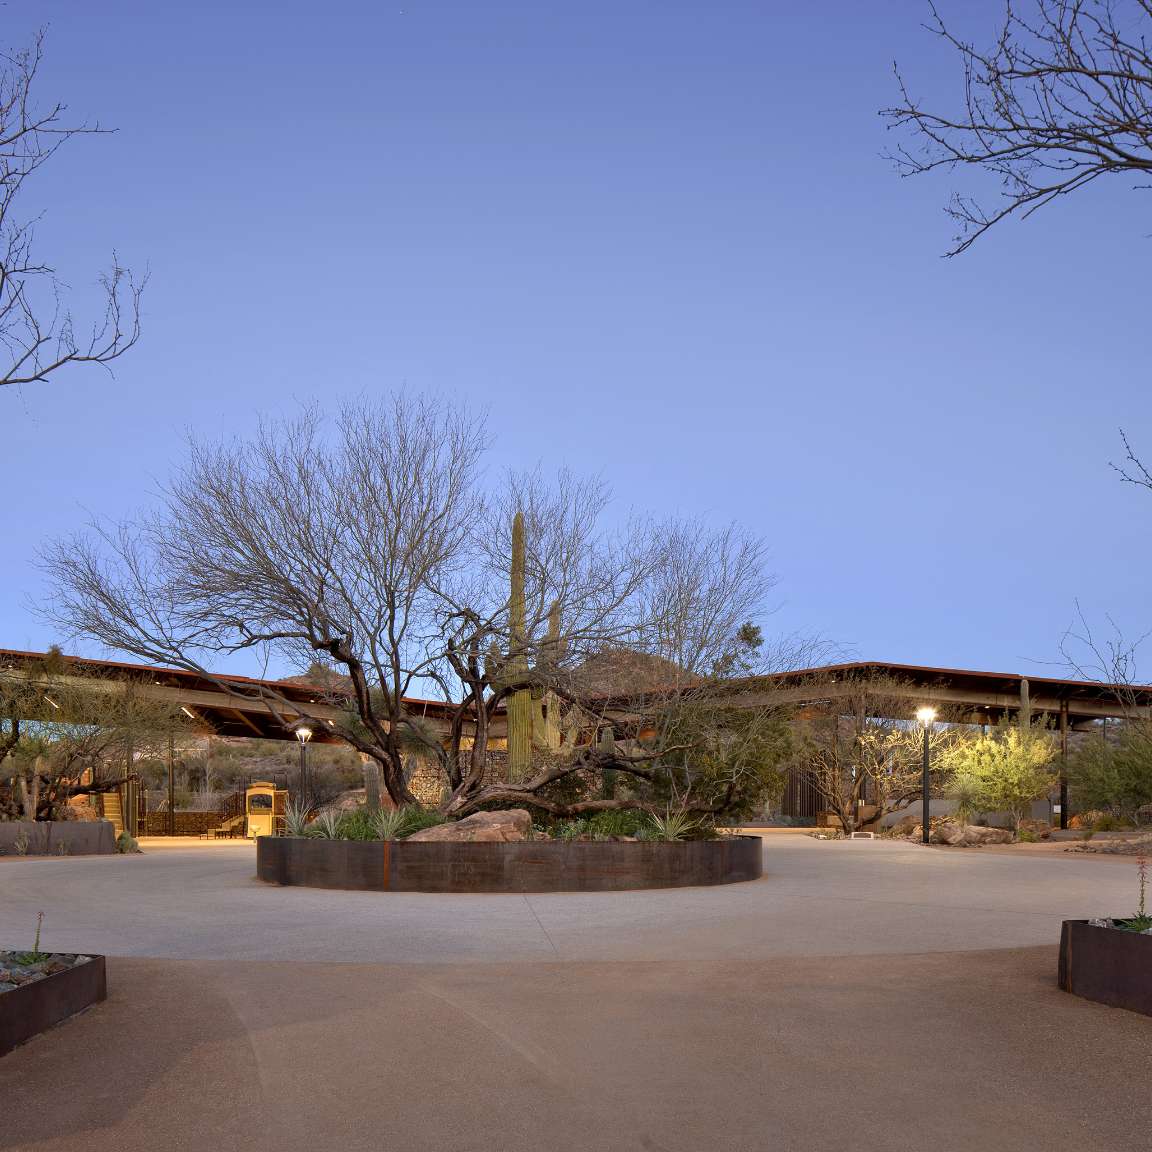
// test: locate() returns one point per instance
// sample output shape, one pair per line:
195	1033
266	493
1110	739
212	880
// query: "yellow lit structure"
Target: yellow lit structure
263	805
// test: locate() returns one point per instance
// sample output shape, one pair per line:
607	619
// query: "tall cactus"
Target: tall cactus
545	715
520	702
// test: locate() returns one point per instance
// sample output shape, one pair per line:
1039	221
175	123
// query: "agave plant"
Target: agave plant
296	817
390	823
673	826
327	825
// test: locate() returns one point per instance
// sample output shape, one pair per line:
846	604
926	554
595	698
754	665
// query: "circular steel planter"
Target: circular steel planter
519	866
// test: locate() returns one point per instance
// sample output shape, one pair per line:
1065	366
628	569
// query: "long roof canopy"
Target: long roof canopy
271	709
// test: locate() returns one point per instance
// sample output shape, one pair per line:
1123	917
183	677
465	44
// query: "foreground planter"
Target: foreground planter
1107	965
519	866
37	1005
57	838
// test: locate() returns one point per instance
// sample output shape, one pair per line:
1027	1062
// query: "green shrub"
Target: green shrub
358	824
417	819
126	843
616	822
1105	822
1027	836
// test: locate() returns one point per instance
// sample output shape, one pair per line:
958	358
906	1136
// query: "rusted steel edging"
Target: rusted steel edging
1107	965
39	1004
518	866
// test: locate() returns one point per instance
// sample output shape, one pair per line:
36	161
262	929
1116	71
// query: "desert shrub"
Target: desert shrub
1027	836
1106	822
619	822
126	843
417	819
358	824
1114	777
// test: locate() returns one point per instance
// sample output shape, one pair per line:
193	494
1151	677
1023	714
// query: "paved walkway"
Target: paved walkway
849	999
816	898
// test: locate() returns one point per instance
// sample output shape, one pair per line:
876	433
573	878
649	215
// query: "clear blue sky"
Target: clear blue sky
658	239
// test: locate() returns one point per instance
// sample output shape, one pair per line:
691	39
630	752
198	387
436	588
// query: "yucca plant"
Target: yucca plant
673	826
296	817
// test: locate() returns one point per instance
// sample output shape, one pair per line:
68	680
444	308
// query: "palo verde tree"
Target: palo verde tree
1003	770
38	334
1061	97
373	545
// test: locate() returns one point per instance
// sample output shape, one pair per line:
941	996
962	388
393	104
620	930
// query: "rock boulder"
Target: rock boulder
976	835
483	827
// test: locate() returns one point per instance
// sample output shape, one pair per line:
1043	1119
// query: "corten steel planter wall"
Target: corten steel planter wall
1107	965
527	866
45	837
38	1005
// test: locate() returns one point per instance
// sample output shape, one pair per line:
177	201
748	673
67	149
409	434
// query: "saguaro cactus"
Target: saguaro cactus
545	715
520	701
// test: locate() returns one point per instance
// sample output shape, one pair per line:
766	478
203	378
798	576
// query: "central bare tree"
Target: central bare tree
379	550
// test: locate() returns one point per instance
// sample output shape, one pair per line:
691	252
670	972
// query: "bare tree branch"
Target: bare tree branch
38	335
1062	98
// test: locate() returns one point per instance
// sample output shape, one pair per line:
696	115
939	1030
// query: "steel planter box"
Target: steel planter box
38	1005
1107	965
520	866
58	837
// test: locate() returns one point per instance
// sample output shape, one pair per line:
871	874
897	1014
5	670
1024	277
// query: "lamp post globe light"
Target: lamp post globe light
304	734
927	717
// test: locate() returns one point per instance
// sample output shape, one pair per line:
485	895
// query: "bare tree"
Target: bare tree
37	332
1062	98
629	639
296	544
378	550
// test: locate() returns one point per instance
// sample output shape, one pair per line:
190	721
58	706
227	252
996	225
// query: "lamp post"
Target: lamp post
304	734
927	717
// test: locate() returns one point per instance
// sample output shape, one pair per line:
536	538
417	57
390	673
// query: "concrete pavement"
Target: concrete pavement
872	996
816	898
952	1052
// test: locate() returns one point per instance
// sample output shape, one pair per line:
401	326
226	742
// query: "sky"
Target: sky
657	240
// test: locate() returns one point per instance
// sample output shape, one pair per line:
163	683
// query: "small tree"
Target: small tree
858	752
1004	770
1114	776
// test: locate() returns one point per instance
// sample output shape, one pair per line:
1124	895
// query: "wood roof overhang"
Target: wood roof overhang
975	697
222	705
